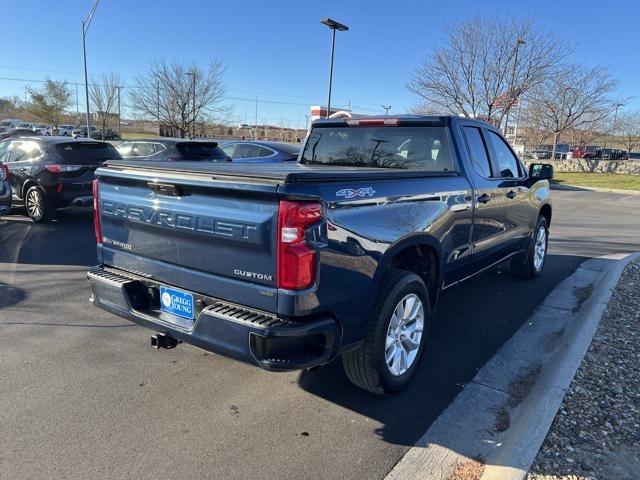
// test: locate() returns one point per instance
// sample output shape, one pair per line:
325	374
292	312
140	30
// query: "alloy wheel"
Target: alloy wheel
540	248
35	204
404	335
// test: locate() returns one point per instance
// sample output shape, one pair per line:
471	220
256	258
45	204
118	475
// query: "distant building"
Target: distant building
111	117
318	112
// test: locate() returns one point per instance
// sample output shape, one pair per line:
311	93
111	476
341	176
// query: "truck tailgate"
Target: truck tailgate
196	233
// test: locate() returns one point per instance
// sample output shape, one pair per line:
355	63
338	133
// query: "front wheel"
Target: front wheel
389	356
38	205
531	265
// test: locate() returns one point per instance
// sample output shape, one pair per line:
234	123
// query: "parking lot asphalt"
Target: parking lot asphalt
83	395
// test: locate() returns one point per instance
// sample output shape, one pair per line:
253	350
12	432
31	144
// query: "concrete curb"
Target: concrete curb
503	415
578	188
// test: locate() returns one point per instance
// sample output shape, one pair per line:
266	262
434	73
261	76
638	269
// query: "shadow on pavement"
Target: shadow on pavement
10	295
69	240
473	321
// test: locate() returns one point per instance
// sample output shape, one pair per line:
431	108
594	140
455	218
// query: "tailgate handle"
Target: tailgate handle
165	189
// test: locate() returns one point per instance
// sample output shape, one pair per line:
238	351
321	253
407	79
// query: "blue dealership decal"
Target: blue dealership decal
176	302
352	193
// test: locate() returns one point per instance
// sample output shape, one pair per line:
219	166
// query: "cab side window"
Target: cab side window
478	151
504	157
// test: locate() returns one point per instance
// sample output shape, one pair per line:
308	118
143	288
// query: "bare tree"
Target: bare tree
166	93
104	96
628	126
49	102
484	67
575	97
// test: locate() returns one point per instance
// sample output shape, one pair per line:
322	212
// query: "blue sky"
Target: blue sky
279	52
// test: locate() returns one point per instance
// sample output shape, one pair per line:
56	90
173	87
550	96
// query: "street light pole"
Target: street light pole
615	119
386	109
513	78
85	28
333	25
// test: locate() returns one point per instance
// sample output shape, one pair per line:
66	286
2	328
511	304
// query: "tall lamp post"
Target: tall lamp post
615	118
333	25
386	109
193	127
85	28
513	79
613	128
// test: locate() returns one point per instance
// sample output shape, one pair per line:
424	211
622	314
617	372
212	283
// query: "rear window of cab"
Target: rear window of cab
425	148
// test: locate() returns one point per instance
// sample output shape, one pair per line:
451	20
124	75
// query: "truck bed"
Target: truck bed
276	173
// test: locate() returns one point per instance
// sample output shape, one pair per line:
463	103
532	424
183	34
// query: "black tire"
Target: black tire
38	205
366	366
526	266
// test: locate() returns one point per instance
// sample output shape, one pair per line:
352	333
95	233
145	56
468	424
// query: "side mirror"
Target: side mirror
540	171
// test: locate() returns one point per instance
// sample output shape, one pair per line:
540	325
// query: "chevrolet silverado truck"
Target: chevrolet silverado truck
343	253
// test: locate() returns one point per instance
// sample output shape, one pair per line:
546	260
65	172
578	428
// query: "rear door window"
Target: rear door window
22	151
247	150
158	147
478	151
418	148
230	150
124	149
265	152
143	149
505	159
86	153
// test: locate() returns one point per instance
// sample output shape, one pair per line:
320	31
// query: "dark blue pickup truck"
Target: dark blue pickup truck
342	253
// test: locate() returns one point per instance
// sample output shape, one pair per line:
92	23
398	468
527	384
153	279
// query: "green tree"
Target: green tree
50	102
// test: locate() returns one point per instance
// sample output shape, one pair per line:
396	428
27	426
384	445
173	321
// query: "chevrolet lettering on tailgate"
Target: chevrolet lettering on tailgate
195	223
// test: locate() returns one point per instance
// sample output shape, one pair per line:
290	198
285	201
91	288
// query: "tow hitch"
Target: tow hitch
162	340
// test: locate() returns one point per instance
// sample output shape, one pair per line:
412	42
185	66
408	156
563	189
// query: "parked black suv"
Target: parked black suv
47	173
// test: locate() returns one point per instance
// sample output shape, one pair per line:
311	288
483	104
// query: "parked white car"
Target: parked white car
66	130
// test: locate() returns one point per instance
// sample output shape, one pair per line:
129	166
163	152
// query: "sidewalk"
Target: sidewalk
596	433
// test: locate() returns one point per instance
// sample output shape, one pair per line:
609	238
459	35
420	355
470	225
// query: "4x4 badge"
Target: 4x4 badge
351	192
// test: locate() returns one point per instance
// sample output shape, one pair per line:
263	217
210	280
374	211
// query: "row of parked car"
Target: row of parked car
45	173
12	127
565	151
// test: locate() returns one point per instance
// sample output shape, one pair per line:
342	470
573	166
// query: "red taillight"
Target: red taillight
296	260
366	122
4	172
96	211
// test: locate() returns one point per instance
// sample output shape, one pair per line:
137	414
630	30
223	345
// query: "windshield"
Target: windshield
87	153
420	148
201	151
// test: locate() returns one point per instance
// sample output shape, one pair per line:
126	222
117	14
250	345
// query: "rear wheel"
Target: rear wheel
389	357
531	265
38	205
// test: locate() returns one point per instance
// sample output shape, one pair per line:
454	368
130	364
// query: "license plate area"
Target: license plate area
177	302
